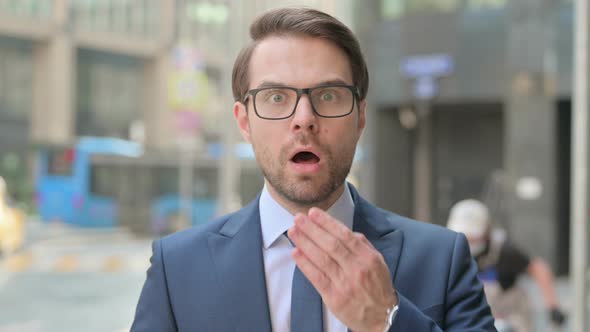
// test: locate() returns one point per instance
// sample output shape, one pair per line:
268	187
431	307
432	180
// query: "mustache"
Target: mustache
304	139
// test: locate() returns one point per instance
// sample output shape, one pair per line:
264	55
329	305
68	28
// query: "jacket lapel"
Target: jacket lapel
378	229
237	255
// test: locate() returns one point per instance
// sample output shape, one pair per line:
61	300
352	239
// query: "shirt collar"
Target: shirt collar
275	219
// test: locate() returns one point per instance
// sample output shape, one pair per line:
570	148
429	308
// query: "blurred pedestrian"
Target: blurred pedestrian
500	265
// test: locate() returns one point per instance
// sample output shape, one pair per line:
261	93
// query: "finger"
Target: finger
316	276
315	254
326	241
364	240
337	229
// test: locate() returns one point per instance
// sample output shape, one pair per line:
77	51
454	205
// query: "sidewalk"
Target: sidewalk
541	317
69	278
59	248
37	230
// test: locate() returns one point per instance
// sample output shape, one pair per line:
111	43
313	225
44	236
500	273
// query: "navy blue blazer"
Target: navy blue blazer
211	277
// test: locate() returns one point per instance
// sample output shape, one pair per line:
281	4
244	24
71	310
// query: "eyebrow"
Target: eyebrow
268	84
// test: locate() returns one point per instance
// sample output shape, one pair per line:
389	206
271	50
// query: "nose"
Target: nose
304	117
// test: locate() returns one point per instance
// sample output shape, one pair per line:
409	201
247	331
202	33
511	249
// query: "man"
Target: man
300	89
501	264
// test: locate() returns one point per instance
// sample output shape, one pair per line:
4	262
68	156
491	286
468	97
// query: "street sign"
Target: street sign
188	89
187	121
433	65
424	69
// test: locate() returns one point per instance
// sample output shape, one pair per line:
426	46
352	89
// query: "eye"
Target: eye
274	96
277	98
327	96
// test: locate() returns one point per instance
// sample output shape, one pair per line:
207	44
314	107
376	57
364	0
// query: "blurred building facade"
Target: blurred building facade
488	116
118	68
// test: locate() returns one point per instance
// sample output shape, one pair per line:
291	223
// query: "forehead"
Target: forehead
298	61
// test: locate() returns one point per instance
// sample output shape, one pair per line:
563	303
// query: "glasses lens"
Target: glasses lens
275	103
332	101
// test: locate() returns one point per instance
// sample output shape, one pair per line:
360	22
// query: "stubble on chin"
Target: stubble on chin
305	191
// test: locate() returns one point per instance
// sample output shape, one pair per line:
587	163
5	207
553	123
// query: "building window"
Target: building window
130	17
394	9
109	94
27	8
16	81
487	4
431	5
204	23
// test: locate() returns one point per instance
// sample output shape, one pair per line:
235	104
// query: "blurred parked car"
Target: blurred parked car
12	223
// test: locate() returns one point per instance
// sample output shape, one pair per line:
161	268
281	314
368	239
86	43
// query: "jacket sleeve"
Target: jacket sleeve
154	311
465	308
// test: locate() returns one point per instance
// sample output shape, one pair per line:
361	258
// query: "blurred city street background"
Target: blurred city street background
116	128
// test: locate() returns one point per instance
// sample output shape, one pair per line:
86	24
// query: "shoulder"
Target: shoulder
418	231
414	231
426	246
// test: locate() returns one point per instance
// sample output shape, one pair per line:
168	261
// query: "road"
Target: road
68	279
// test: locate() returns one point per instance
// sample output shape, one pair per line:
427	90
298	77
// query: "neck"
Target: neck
294	207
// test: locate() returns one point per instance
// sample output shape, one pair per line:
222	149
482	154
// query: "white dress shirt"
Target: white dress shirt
278	263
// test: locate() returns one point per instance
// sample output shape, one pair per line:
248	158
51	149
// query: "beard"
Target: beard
305	191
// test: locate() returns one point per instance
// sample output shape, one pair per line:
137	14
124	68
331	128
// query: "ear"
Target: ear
362	116
241	116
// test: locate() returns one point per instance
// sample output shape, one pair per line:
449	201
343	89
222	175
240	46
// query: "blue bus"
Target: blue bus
64	180
106	182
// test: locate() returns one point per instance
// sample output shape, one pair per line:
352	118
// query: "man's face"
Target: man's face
304	158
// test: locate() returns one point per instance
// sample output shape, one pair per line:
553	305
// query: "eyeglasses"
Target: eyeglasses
280	102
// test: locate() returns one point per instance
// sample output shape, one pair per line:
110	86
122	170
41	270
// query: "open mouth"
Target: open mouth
305	157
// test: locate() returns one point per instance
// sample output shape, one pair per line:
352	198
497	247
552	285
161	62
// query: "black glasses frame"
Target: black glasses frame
300	92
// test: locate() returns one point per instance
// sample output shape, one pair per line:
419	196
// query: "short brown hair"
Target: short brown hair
300	21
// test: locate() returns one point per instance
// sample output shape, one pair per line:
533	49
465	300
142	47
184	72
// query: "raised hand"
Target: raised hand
348	272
